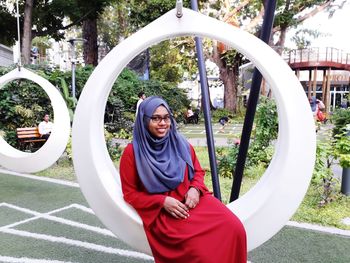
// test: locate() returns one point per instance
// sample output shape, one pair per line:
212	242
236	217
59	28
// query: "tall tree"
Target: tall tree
289	13
27	31
91	11
47	18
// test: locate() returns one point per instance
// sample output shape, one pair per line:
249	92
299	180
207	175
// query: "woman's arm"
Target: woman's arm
147	205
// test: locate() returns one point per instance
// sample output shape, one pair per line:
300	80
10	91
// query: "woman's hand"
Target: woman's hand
192	198
175	208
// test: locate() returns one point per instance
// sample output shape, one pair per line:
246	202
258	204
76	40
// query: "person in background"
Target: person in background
223	121
45	127
162	179
189	113
142	97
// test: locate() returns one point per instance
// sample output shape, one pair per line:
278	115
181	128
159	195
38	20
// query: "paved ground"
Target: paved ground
49	221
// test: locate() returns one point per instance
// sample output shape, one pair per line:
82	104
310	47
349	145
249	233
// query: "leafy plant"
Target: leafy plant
227	160
342	148
70	101
260	149
323	178
113	148
340	118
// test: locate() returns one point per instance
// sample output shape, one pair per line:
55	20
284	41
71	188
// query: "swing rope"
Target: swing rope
19	63
179	6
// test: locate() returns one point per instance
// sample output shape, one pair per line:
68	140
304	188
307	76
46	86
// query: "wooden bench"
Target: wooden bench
28	135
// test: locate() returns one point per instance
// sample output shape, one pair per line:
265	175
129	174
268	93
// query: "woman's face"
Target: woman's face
160	122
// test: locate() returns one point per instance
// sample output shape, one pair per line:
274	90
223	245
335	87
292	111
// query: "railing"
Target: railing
327	54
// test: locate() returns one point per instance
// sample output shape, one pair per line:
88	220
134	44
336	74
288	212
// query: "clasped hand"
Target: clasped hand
179	210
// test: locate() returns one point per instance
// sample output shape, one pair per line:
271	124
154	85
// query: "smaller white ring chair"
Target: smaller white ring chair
49	153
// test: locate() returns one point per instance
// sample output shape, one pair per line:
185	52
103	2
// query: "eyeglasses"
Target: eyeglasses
158	119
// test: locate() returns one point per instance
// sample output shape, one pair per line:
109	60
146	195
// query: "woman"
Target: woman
163	180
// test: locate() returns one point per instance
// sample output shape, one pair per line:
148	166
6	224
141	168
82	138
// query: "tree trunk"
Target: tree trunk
281	40
90	46
27	31
229	78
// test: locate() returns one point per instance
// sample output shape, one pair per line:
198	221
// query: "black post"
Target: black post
251	106
345	181
206	111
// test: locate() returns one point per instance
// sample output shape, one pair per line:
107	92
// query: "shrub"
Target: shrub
340	118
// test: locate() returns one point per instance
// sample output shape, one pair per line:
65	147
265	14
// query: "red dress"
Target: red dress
211	234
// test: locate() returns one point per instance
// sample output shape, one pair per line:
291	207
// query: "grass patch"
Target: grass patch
62	169
309	211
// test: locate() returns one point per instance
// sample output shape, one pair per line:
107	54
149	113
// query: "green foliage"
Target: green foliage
342	148
174	96
71	102
324	160
123	134
302	38
166	62
218	113
227	160
144	12
266	122
266	130
340	118
8	25
323	178
113	148
260	150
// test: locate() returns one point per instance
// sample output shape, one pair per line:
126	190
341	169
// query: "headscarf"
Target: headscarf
161	162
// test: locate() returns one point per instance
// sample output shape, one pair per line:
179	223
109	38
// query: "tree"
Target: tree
88	12
27	31
46	18
289	14
8	25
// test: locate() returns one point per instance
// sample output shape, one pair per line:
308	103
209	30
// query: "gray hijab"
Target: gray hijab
161	162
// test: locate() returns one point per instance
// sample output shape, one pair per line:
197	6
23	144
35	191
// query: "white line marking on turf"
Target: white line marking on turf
39	178
48	216
29	260
72	242
83	208
330	230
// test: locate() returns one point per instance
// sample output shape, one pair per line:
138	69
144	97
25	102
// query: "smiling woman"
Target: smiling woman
163	180
160	122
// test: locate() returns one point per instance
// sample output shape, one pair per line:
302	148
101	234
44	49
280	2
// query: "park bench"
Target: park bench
29	135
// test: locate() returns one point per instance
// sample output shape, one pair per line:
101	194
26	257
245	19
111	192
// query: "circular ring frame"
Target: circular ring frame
269	204
49	153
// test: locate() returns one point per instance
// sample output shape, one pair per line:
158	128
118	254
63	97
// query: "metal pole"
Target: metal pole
251	106
74	61
206	111
73	69
345	181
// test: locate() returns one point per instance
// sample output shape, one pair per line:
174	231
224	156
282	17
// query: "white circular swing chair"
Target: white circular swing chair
269	204
48	154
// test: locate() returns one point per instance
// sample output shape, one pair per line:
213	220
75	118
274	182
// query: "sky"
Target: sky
337	29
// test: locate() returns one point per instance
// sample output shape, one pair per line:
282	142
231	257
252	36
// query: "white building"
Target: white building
6	56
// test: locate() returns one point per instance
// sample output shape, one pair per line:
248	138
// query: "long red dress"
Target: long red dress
211	234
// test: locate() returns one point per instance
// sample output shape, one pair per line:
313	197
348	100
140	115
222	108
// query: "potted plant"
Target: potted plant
342	150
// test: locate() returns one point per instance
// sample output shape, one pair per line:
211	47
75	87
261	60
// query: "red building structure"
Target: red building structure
327	73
